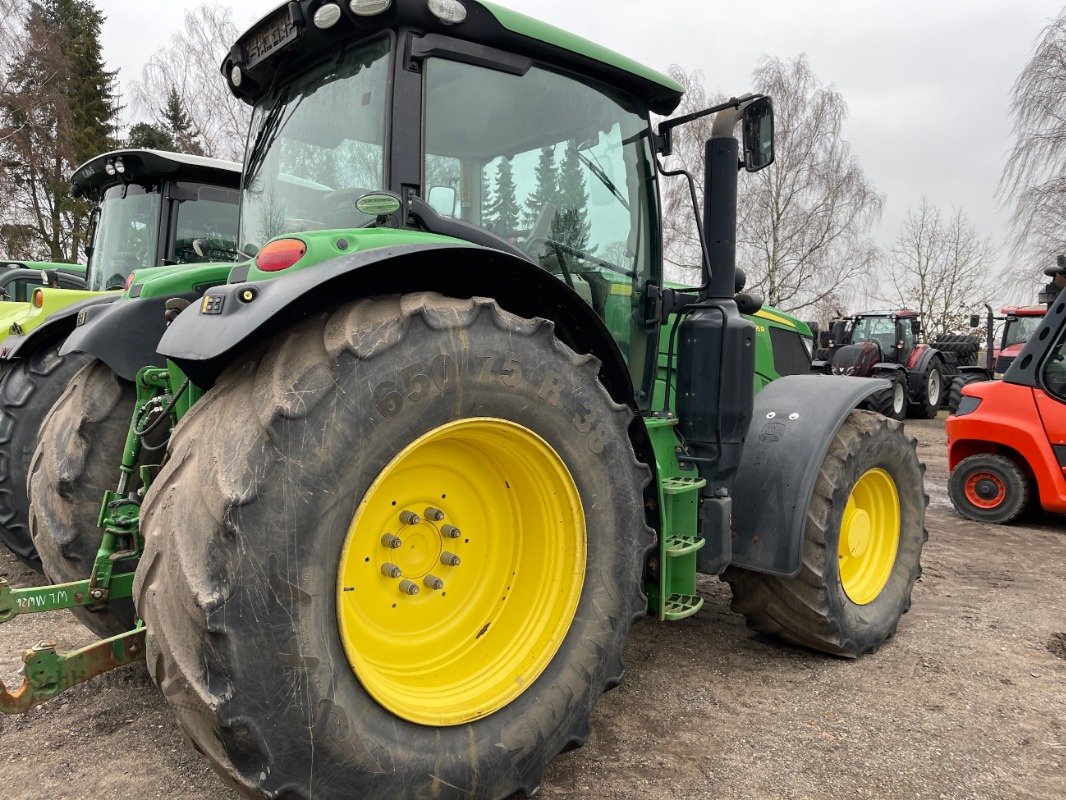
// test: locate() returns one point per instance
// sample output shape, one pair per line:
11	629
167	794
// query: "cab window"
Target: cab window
1054	373
210	218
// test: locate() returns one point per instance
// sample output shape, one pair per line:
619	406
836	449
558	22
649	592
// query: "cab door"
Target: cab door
1051	398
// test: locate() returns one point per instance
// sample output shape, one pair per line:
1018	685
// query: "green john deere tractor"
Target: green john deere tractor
413	467
150	208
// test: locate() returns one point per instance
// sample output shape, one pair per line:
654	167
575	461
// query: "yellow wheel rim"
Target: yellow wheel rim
461	572
869	536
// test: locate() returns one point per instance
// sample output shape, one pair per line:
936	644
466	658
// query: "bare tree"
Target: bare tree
1034	178
941	268
189	67
804	223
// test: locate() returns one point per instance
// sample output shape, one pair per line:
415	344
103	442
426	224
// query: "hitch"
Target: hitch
37	599
47	672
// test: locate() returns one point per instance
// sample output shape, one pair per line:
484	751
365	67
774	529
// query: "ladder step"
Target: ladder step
682	547
680	606
677	486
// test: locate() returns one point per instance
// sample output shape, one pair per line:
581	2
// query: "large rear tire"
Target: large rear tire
931	391
290	649
862	547
77	459
28	390
958	384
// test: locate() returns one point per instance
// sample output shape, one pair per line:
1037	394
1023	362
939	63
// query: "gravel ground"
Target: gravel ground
968	701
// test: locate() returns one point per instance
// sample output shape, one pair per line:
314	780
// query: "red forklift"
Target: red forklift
1007	439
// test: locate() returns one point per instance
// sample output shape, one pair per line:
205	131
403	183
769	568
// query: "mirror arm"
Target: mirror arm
664	140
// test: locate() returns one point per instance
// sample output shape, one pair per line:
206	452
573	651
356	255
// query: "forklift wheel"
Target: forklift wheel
989	488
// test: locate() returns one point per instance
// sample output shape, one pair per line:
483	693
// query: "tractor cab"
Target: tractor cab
1019	325
895	333
149	209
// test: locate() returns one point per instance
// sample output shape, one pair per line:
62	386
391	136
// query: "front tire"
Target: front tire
28	390
862	547
271	536
989	488
77	459
957	385
892	402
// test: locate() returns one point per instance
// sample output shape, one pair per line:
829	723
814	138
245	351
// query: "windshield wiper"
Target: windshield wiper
597	170
268	134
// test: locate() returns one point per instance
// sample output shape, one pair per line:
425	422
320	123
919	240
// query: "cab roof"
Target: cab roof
91	178
1025	311
259	51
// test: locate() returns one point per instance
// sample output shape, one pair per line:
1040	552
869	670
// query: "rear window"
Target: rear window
790	356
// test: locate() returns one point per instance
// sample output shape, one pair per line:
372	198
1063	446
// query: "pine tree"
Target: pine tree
150	137
176	120
547	191
571	226
504	209
487	220
60	107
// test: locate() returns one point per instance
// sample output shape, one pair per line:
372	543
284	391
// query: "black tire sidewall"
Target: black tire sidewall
870	624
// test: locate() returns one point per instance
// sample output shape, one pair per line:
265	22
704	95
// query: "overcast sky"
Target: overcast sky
926	83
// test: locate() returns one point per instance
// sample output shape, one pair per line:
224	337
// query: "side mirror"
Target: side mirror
975	320
758	135
442	199
916	326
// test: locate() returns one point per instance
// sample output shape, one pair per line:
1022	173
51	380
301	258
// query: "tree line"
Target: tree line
60	106
806	224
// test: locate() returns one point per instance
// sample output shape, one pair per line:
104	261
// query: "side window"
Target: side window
790	355
211	217
1054	375
21	289
906	335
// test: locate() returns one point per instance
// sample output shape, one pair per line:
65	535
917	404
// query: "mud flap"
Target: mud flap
795	420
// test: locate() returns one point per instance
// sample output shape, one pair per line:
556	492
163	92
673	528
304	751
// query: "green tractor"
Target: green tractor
403	482
150	208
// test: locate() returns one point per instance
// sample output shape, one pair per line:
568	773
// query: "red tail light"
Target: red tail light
129	281
280	255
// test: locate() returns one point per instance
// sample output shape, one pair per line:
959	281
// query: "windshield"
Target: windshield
876	329
556	166
1020	330
316	146
126	235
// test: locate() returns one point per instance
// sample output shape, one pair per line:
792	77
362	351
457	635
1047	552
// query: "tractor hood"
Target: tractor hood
857	360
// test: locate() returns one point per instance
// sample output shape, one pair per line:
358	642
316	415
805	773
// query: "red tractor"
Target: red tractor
1018	325
885	344
1007	440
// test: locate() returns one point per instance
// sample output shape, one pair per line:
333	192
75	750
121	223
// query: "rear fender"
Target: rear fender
58	324
795	421
923	355
209	335
124	334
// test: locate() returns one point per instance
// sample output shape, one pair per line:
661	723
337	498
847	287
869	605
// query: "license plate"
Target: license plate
275	32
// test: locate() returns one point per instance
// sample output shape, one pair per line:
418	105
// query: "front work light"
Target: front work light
109	167
120	168
236	76
450	12
327	16
368	8
280	254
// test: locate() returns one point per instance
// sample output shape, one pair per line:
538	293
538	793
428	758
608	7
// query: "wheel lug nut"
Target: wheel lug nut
391	571
451	531
392	541
433	582
408	587
434	514
409	518
449	559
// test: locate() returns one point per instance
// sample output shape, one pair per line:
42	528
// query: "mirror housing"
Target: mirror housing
975	320
758	134
916	327
443	200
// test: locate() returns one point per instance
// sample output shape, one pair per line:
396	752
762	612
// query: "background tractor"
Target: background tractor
886	344
424	475
149	209
1007	439
1018	324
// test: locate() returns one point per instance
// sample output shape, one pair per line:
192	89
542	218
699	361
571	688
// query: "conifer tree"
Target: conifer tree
504	209
150	137
547	191
571	226
177	122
